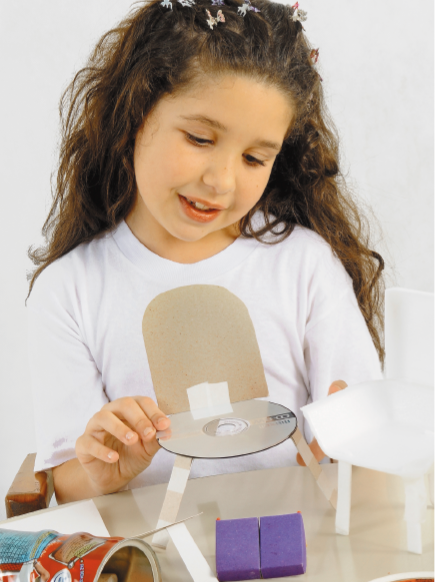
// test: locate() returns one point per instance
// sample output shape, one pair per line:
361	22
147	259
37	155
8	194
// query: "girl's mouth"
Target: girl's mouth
197	210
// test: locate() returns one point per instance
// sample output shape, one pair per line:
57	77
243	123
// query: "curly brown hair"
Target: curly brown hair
158	50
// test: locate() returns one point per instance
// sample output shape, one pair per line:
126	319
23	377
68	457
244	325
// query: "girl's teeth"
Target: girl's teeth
198	205
201	206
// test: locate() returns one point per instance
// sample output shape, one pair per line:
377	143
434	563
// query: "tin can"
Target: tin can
80	557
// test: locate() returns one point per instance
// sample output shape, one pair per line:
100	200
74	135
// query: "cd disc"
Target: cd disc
254	425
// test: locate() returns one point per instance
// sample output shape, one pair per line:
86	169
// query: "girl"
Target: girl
196	149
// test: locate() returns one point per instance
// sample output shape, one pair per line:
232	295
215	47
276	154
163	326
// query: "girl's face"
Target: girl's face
202	160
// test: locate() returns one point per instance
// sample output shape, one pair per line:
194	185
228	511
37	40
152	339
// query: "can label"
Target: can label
48	555
75	547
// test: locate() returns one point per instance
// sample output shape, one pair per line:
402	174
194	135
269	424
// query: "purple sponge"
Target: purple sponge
237	549
282	545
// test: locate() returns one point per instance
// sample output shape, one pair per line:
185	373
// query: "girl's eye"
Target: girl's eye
197	140
202	142
254	161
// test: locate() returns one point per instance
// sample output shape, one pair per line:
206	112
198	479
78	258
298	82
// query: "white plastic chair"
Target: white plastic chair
409	347
409	336
408	384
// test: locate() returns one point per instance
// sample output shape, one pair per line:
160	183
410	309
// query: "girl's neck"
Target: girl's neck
159	241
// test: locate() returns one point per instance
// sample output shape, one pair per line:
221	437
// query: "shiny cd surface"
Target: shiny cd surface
254	425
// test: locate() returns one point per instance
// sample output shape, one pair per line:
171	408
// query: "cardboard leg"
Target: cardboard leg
344	492
311	462
431	485
174	495
415	511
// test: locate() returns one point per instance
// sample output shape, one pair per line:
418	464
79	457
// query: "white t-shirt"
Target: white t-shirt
86	345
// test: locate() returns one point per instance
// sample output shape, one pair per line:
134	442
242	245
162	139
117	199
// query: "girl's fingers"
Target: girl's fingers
89	448
151	446
133	415
141	413
337	386
315	449
300	460
158	418
108	421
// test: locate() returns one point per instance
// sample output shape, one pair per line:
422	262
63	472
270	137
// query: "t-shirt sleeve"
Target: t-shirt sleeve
338	344
67	386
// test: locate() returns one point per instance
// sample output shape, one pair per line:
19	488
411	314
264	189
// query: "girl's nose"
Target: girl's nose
220	174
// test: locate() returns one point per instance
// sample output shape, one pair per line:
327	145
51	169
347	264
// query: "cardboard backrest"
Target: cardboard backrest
201	333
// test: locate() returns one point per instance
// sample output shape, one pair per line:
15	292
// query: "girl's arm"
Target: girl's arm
119	443
68	390
72	483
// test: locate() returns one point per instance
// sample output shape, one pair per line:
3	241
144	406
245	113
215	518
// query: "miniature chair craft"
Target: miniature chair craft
201	334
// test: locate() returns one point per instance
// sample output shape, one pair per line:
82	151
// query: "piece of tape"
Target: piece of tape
316	470
191	555
174	495
209	399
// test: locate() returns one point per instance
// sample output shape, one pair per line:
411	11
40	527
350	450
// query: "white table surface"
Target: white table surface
375	547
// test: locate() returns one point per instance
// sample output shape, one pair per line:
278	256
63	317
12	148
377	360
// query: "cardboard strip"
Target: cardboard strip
195	562
342	517
205	400
316	470
209	399
174	495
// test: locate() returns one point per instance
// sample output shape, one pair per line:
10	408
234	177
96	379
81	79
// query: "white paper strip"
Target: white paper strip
415	512
344	494
207	399
195	562
161	538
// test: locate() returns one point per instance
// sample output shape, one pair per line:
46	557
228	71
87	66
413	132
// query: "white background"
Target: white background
376	59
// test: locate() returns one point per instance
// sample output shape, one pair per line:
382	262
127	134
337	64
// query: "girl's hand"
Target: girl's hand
314	445
120	442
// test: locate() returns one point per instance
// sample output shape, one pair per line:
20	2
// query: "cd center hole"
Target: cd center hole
225	426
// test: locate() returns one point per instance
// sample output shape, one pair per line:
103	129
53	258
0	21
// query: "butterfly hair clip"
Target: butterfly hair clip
217	2
168	3
214	21
314	56
242	10
298	14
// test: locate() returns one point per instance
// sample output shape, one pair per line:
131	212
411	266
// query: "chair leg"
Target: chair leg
431	485
415	511
342	517
413	534
174	495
